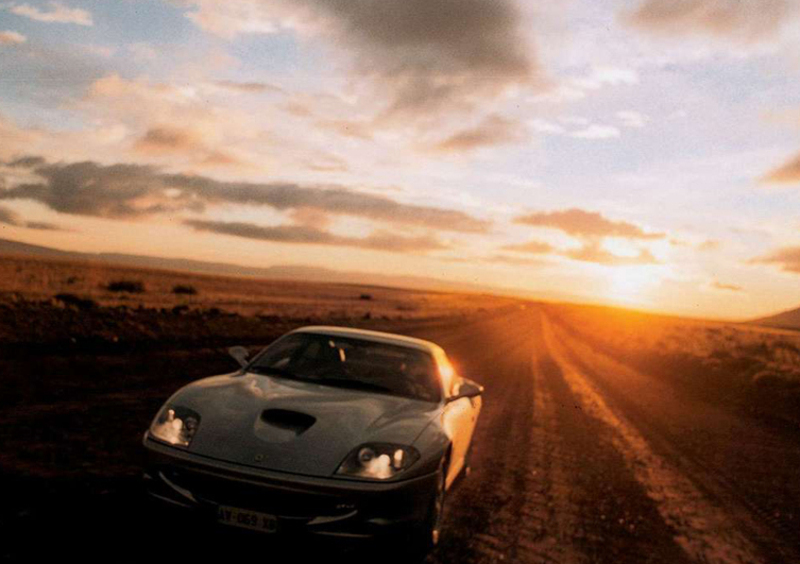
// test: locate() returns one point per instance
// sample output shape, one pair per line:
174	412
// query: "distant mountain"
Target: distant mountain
8	247
786	320
276	272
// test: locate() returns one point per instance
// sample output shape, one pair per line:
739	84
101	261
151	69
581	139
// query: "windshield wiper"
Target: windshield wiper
348	383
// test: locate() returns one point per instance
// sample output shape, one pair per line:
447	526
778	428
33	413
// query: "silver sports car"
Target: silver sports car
327	430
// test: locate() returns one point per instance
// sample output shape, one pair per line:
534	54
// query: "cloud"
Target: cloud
581	223
499	258
169	139
532	247
547	127
590	251
10	217
9	37
607	76
183	124
788	173
248	87
717	285
572	88
747	20
58	13
158	141
581	128
26	162
631	118
13	140
327	163
494	130
787	258
709	245
424	57
134	190
301	234
434	54
346	128
593	252
596	131
220	158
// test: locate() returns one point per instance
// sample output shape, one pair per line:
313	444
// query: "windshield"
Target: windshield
352	363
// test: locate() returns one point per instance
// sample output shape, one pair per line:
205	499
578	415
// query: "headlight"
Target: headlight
378	461
175	425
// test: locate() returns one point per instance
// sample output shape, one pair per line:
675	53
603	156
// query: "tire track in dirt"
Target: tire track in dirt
703	529
601	512
553	516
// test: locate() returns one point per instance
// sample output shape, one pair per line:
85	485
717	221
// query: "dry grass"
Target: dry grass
756	368
713	344
43	279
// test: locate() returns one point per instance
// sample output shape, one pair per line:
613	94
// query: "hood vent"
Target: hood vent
288	421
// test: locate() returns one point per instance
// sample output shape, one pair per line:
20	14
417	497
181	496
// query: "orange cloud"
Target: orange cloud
532	247
582	223
593	252
302	234
159	139
788	258
717	285
58	13
249	87
742	19
788	173
176	140
494	130
10	217
498	258
709	245
9	37
590	251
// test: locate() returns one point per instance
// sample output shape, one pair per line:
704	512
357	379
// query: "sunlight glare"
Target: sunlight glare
631	284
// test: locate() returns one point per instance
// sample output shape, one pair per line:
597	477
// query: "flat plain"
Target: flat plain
607	435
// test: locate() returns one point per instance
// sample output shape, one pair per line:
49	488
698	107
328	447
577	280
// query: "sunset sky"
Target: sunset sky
636	152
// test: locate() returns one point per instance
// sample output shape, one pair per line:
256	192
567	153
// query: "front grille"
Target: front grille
266	498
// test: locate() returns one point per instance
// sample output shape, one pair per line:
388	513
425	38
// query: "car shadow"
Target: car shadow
118	523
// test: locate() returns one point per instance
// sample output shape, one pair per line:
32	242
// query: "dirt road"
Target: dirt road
578	458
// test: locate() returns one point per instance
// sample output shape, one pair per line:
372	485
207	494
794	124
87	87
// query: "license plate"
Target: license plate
247	519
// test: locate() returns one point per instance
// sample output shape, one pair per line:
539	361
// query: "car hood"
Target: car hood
291	426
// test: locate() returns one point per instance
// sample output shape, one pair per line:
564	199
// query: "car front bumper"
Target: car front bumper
301	504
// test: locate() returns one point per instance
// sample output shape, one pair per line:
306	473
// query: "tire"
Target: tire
425	536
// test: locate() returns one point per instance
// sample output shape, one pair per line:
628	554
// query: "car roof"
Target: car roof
367	335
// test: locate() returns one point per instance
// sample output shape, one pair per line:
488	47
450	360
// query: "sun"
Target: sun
631	284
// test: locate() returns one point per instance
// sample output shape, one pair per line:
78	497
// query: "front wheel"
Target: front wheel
425	536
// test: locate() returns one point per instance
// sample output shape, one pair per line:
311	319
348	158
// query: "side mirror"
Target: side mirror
467	389
240	354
